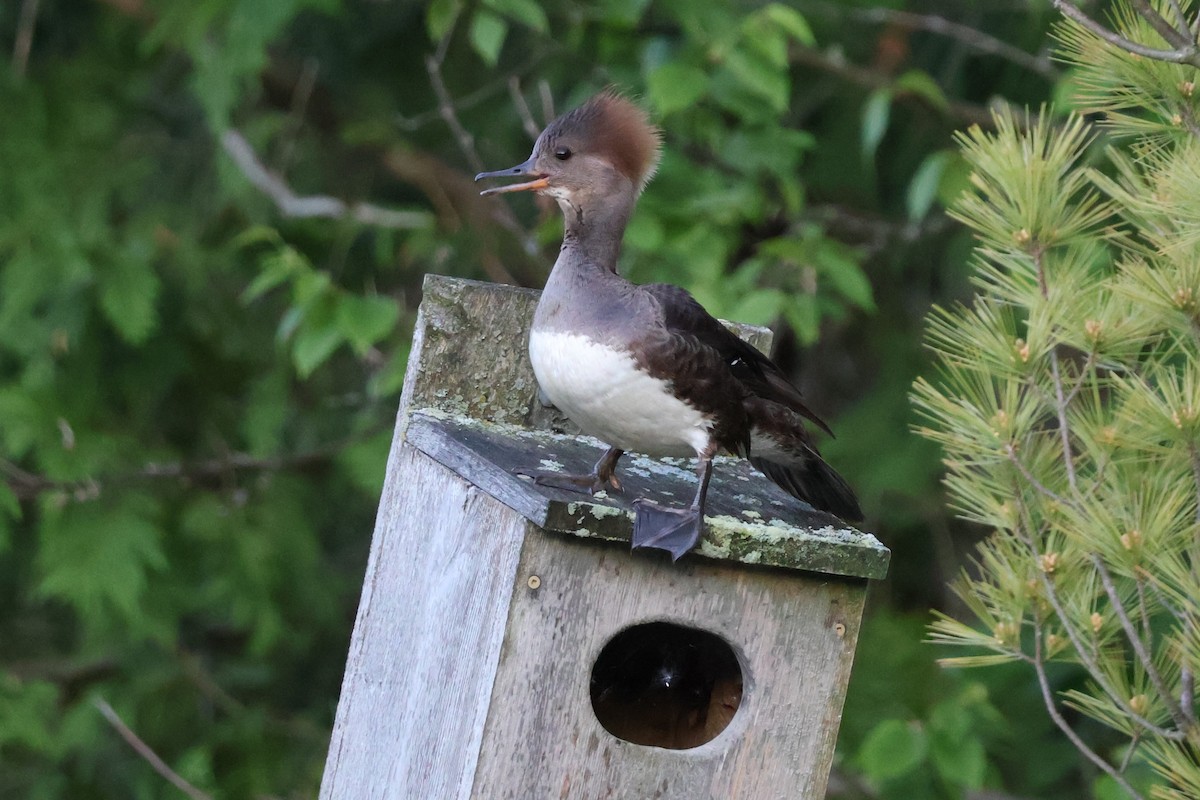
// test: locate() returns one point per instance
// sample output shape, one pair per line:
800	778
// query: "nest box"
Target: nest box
509	645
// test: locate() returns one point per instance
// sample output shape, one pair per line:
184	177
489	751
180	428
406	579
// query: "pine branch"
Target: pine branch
1086	656
1039	667
1188	54
1183	719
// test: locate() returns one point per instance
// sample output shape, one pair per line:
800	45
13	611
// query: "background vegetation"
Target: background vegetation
214	219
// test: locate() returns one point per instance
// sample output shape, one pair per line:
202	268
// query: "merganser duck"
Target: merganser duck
646	368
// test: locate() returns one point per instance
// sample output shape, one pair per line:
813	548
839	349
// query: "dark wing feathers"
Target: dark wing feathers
691	348
753	369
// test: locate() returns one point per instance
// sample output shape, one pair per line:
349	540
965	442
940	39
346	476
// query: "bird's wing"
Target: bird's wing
757	373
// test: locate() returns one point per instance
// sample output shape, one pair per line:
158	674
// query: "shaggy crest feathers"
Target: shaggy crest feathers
616	129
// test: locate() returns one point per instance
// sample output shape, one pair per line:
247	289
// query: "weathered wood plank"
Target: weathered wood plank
427	638
795	636
749	519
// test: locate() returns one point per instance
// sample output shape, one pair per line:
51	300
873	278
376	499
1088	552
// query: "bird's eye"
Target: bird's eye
562	153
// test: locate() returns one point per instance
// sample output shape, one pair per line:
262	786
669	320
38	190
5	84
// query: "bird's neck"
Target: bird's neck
593	230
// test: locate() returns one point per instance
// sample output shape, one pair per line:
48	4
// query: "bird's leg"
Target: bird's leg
602	476
676	530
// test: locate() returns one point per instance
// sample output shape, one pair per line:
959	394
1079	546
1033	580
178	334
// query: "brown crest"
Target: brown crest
616	129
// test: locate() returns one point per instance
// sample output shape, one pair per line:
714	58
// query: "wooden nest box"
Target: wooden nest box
509	645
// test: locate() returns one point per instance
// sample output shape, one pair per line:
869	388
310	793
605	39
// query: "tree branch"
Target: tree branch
23	42
1039	667
1183	718
973	38
1027	475
143	750
1085	656
1186	55
27	485
291	204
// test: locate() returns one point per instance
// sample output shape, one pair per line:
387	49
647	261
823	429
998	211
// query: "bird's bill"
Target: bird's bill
525	169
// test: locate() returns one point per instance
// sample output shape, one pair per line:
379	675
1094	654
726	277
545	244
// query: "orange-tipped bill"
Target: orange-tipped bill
539	181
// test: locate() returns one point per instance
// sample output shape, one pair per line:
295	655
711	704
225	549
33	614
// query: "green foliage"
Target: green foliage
1065	403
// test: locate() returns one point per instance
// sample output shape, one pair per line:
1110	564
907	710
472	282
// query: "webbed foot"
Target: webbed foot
584	484
602	477
676	530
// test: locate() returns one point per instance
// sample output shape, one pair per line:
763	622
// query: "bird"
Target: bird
644	367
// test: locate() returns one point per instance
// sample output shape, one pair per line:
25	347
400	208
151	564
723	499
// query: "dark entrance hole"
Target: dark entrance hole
666	685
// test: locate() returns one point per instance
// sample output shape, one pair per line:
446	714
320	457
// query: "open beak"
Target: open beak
539	181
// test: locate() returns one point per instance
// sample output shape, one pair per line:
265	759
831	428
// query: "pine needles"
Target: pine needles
1067	403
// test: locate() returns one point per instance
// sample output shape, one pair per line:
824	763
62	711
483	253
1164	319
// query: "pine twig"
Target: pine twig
1185	55
147	754
1085	656
1039	667
1181	716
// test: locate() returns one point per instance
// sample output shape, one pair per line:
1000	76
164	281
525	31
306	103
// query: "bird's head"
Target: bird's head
605	147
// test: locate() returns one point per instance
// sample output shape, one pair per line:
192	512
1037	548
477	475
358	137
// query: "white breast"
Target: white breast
602	391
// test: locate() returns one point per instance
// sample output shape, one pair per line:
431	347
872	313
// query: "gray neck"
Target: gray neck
593	230
584	291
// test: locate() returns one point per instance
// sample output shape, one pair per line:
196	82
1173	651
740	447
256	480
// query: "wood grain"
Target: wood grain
794	635
427	639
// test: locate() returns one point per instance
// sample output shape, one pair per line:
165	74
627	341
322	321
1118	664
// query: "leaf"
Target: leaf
97	558
363	321
526	12
277	267
803	316
624	12
845	274
920	83
792	22
487	34
676	86
760	307
876	113
760	77
925	183
313	345
440	16
891	749
10	506
957	754
26	711
365	462
128	295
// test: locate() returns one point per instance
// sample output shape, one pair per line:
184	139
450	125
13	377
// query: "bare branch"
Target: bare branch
143	750
27	485
973	38
446	108
836	64
23	42
1039	667
291	204
527	121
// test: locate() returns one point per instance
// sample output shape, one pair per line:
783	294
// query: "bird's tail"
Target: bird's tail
810	479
